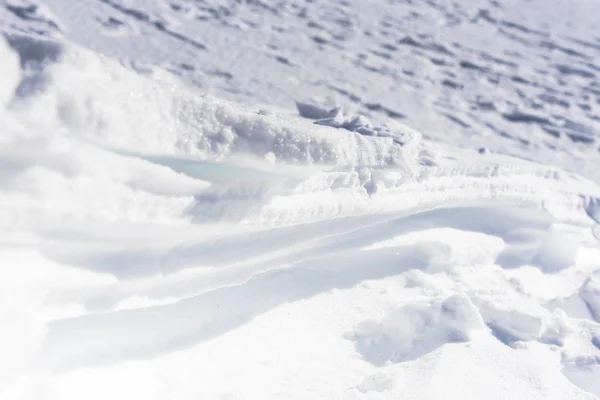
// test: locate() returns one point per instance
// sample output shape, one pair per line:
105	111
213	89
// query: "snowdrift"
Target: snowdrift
158	242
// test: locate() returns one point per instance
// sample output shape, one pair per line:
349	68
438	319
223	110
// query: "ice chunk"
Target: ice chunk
336	119
314	111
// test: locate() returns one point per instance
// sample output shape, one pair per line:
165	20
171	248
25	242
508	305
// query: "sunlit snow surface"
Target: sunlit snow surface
171	228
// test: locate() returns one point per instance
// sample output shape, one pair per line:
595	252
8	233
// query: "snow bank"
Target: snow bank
97	99
75	99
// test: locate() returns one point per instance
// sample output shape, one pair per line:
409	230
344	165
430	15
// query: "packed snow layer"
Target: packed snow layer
156	243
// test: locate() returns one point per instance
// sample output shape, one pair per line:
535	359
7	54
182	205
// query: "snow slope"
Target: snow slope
516	76
158	242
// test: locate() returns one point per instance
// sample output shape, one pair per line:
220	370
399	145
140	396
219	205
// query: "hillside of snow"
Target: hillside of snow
517	76
299	199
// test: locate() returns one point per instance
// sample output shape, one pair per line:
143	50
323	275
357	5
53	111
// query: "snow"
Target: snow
414	330
10	72
353	200
590	293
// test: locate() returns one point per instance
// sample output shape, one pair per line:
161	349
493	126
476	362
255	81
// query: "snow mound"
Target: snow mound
411	331
86	99
97	99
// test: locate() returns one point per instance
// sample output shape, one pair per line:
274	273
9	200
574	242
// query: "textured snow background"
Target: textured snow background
517	76
299	199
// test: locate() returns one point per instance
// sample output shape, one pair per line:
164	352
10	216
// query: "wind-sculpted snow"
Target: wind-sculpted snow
96	99
158	242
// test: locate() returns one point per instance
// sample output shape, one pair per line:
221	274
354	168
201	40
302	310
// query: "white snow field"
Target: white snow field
224	200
